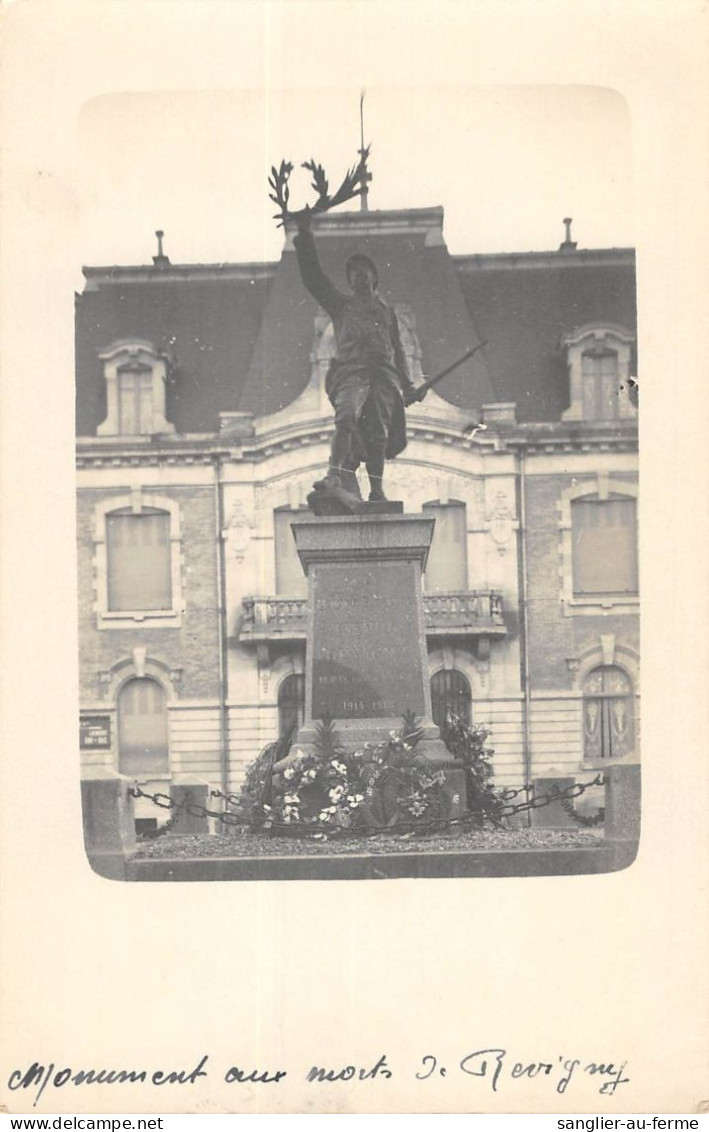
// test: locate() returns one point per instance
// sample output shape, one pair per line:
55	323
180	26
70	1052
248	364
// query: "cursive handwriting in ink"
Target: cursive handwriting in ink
431	1068
496	1067
241	1077
40	1076
484	1063
350	1072
608	1088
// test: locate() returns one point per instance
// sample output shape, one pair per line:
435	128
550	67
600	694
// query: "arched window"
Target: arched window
291	704
450	691
136	379
599	359
447	565
142	728
608	723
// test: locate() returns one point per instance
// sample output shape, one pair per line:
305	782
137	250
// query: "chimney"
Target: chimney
160	260
568	245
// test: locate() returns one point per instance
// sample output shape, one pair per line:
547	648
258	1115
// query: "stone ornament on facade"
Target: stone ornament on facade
237	534
140	665
501	521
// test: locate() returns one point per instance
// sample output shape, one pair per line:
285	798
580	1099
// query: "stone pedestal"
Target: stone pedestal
109	822
366	656
191	794
621	825
622	819
553	816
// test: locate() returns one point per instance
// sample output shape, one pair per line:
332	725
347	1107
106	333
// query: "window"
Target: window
142	729
600	384
604	546
450	691
291	704
598	545
135	400
447	566
290	576
599	361
139	561
136	380
608	723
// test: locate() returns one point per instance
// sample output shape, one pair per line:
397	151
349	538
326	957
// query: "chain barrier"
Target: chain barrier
541	800
165	802
507	794
232	799
564	797
582	819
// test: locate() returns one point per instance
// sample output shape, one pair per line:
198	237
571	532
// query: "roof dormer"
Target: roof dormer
136	378
599	359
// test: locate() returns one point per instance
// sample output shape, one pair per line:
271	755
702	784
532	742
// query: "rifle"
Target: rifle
423	389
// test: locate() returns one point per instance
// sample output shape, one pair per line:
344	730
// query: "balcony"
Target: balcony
464	614
470	613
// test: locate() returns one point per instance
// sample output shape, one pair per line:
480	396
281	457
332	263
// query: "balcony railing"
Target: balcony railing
470	611
460	614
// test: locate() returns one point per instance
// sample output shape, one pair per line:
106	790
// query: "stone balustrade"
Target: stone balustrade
468	612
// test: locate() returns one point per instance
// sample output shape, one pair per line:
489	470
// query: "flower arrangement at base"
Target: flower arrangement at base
313	793
330	791
467	742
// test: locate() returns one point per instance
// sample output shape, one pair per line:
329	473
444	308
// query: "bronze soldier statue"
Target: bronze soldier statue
368	380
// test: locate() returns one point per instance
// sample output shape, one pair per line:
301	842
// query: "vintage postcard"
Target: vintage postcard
353	474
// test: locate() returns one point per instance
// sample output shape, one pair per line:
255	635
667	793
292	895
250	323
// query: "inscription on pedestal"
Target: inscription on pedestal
366	640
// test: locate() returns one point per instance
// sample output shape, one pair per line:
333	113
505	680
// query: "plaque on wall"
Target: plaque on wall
95	733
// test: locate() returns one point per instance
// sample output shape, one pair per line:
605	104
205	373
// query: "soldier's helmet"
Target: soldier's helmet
364	260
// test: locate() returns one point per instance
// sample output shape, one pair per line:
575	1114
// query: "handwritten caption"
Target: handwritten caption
493	1068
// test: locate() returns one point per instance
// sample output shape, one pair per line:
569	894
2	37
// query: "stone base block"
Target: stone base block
455	791
554	815
109	822
622	821
192	796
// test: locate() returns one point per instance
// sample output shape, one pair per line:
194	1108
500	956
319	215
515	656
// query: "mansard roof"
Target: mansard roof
240	335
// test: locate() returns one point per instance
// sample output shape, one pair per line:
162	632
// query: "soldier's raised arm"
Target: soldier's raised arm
314	278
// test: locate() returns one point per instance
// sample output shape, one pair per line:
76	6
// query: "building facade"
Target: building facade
202	422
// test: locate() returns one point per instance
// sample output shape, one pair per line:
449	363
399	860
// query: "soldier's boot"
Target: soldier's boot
339	455
375	471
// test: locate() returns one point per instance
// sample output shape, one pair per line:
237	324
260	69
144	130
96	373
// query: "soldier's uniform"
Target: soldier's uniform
368	375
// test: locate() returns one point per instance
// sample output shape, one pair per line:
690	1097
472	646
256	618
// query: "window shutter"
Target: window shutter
290	577
142	728
604	546
139	560
447	566
135	401
599	373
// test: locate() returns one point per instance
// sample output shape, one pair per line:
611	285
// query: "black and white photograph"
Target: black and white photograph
358	570
354	471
